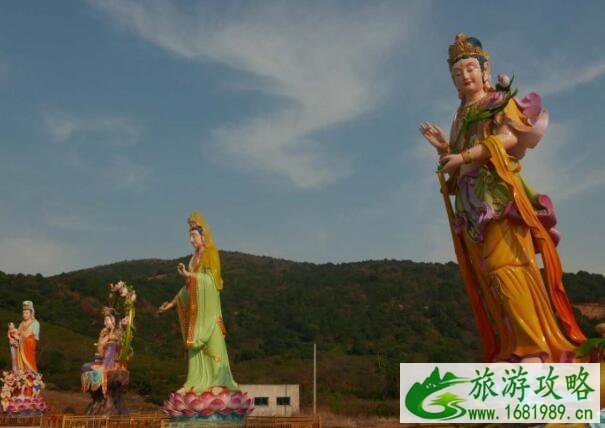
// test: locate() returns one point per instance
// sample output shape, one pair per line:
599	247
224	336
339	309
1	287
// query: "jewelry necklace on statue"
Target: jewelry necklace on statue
474	103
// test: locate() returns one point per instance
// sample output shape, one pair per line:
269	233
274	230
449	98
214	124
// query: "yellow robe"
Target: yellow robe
522	318
514	309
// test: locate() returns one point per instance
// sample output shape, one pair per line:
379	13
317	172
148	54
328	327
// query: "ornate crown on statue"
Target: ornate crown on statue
464	45
195	221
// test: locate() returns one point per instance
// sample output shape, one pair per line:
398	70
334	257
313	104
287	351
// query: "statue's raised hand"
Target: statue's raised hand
435	136
182	270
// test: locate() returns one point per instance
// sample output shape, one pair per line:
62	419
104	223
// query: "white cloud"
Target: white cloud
325	64
550	68
119	172
73	217
551	169
124	174
27	255
557	78
116	131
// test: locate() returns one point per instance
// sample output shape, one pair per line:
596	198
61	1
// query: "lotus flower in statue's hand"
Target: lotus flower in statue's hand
496	99
504	81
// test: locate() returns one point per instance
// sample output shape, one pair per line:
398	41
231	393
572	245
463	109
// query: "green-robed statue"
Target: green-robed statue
209	379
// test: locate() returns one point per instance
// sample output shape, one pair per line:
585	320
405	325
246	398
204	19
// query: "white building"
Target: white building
274	400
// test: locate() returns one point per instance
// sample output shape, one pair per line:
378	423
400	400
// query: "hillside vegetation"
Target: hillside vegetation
365	317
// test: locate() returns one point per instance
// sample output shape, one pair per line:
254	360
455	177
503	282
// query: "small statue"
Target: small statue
22	385
108	344
107	377
13	342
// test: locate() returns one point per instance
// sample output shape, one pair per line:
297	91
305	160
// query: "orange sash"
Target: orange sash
545	245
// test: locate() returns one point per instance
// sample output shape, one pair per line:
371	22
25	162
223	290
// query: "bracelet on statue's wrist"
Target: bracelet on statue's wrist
466	156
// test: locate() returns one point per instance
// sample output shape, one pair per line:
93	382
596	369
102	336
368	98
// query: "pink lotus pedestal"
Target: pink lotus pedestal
215	404
20	395
26	406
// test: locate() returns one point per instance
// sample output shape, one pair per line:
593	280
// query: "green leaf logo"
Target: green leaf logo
450	403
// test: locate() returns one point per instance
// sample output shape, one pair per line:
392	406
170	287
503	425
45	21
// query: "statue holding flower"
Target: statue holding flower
498	222
107	377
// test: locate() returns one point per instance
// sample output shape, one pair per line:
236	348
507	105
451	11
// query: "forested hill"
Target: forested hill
365	317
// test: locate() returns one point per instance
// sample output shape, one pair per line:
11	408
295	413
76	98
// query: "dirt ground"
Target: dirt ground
76	402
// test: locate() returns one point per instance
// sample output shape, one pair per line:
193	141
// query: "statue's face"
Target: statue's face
27	314
108	322
196	239
468	77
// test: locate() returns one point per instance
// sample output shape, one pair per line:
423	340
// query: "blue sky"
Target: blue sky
291	125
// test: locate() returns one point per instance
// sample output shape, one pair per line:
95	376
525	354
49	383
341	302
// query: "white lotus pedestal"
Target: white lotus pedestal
215	406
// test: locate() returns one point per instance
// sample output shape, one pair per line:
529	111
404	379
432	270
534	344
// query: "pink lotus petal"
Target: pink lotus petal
235	403
206	402
226	411
174	413
530	105
224	396
189	397
207	411
197	405
217	405
188	412
180	406
206	395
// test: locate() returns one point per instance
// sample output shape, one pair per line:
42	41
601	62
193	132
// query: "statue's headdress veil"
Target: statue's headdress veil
29	305
210	257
